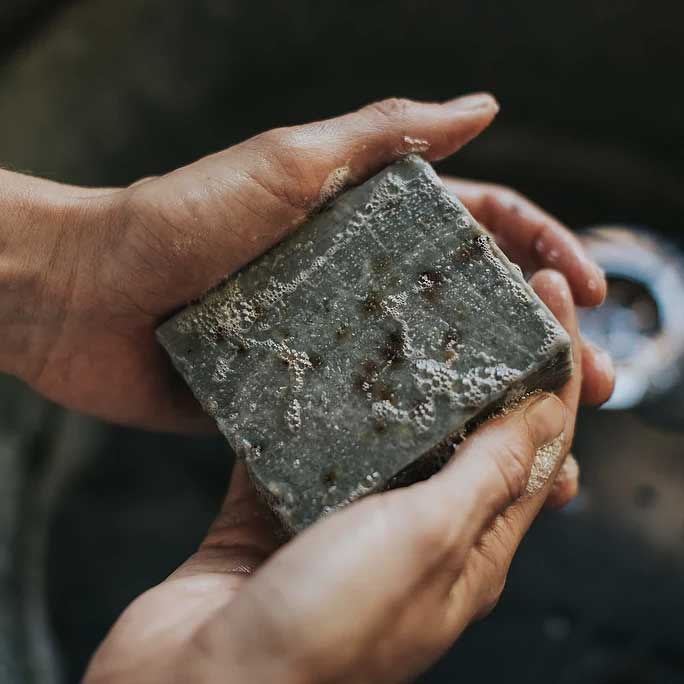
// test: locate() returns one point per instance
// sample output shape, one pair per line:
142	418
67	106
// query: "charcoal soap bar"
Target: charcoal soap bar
354	354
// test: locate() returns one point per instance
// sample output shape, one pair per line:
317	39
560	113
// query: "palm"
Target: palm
167	240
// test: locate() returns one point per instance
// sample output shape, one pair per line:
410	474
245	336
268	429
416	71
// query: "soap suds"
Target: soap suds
228	317
411	145
384	329
297	363
362	489
544	463
227	313
293	416
333	184
434	379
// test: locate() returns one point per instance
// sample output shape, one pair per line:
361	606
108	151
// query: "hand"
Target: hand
89	274
374	593
533	239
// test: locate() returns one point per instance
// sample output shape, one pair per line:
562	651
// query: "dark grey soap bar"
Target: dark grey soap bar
353	355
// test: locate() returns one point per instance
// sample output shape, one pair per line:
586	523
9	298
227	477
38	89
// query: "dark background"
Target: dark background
592	127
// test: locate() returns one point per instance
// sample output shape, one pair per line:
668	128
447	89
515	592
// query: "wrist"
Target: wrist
42	225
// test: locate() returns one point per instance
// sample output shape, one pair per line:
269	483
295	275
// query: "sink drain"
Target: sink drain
641	323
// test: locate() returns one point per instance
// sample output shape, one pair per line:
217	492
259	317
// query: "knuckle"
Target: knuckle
500	198
416	512
274	138
390	108
286	176
149	228
283	146
280	144
437	537
502	538
491	576
491	596
379	513
142	181
510	196
513	462
295	141
433	540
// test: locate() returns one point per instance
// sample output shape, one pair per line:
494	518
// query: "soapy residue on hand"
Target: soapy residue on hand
333	184
544	464
411	145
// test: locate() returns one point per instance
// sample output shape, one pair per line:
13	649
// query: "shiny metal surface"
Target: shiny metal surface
641	323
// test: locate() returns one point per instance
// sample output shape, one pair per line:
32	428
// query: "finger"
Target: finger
490	470
510	216
450	510
141	181
384	550
481	582
598	375
428	527
228	208
554	291
566	484
531	237
240	538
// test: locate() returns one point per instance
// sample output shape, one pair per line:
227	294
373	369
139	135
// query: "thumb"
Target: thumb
228	208
394	555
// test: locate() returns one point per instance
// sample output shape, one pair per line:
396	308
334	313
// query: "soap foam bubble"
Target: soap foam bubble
411	145
293	416
297	362
544	463
333	184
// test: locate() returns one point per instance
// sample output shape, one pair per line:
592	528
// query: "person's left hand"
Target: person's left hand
92	275
374	593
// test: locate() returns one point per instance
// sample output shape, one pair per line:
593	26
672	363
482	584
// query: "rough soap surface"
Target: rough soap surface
351	356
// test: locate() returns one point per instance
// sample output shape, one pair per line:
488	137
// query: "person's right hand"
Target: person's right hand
371	595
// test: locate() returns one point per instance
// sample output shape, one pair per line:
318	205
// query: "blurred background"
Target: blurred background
592	127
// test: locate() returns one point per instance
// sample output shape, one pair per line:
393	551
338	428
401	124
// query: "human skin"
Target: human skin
86	275
374	593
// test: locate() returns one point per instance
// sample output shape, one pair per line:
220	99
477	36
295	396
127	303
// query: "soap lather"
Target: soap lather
354	354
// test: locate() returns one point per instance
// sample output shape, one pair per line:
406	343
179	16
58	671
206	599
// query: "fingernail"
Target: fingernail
597	278
545	417
601	274
469	103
